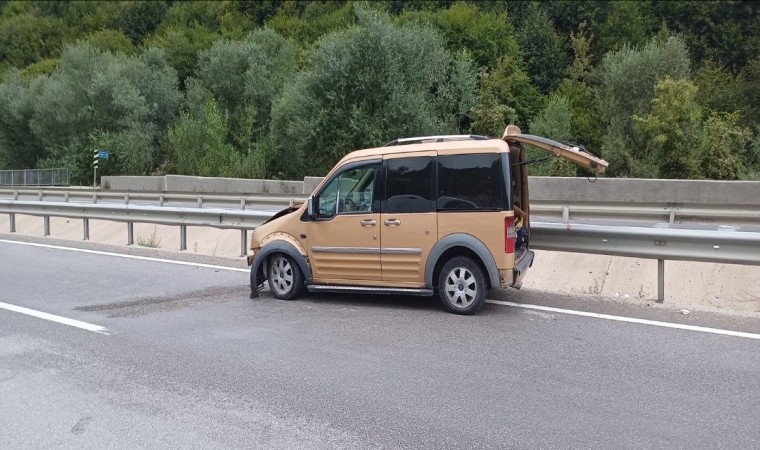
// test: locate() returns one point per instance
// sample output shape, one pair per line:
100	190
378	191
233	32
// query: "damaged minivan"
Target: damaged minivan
435	215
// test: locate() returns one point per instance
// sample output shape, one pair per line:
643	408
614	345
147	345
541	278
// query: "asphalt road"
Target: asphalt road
191	362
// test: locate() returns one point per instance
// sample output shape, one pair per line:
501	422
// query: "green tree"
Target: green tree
317	19
626	23
553	122
198	143
721	148
96	96
19	147
26	39
753	156
718	89
670	129
627	87
722	31
749	92
138	19
506	96
487	36
542	47
585	118
111	41
182	44
363	86
246	77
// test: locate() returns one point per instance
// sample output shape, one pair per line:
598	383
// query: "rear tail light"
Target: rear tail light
509	235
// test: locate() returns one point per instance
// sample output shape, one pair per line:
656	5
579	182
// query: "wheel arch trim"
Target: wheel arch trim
469	242
277	246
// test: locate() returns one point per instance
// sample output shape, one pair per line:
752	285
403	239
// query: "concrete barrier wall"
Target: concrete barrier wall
136	184
645	190
202	185
179	183
541	188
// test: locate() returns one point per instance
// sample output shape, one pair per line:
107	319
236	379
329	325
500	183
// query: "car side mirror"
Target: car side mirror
310	208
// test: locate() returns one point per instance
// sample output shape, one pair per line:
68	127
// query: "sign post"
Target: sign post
99	154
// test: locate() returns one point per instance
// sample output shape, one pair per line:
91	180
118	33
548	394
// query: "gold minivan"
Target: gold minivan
418	216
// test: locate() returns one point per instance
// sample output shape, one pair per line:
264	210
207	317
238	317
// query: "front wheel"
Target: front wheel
462	286
285	278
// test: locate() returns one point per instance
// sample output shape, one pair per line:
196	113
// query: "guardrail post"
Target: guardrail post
13	222
200	201
39	195
86	229
66	197
183	237
126	198
15	194
660	280
243	243
242	203
46	225
161	200
565	214
94	197
130	233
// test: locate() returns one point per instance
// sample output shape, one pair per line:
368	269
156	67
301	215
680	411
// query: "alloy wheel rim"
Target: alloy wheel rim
281	274
461	287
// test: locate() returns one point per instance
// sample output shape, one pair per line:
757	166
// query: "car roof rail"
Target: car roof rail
443	138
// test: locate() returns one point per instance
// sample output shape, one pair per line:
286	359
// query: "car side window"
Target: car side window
409	185
469	182
350	192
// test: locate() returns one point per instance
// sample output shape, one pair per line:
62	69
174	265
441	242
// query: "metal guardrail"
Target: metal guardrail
244	221
34	177
732	247
275	201
670	212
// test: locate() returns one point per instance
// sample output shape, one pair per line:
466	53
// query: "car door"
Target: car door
344	240
575	154
409	219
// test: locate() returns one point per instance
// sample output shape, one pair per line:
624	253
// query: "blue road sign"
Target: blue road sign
102	154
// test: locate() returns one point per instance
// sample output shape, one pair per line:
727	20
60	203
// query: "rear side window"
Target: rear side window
469	182
409	185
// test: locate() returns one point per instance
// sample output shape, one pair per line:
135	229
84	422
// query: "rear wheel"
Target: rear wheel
462	286
285	278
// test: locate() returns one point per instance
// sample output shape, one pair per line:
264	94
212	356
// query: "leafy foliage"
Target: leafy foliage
365	84
554	122
623	95
277	88
198	142
669	130
545	57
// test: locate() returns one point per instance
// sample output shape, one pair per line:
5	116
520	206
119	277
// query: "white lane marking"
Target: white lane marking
496	302
656	323
120	255
58	319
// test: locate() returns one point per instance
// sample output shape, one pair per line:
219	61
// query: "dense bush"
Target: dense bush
284	88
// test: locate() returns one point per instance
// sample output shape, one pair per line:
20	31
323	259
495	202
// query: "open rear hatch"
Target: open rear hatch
575	154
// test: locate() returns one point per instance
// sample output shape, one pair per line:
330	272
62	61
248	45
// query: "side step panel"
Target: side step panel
369	290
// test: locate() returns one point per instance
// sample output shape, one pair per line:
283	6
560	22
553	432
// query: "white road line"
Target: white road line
655	323
58	319
120	255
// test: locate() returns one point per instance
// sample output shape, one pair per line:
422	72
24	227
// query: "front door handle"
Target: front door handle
368	222
392	222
